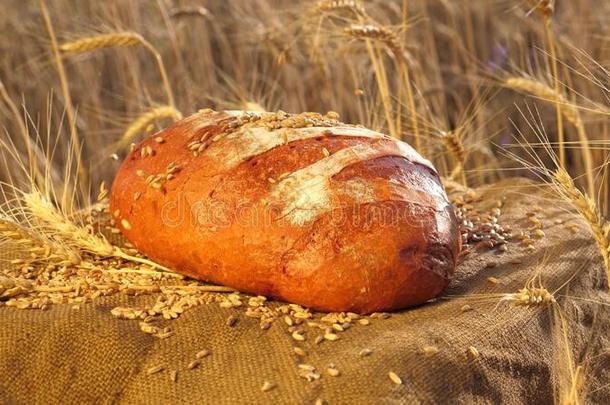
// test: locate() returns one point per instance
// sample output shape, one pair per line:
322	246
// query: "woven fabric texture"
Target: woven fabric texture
64	355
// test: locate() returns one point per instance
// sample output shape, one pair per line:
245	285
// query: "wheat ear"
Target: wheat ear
568	110
71	234
36	243
453	143
329	6
119	39
587	208
141	123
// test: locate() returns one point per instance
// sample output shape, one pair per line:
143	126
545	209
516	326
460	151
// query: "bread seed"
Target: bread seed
331	336
307	367
298	351
466	308
297	336
333	372
395	378
364	321
472	352
154	370
338	327
193	364
203	353
429	350
267	386
126	224
492	280
365	352
159	139
174	375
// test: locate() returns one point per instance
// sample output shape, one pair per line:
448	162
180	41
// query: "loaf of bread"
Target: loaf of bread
299	207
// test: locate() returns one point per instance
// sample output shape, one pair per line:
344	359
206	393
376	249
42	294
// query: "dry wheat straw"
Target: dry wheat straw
69	107
569	376
546	9
119	39
392	42
587	208
367	33
140	124
32	148
568	110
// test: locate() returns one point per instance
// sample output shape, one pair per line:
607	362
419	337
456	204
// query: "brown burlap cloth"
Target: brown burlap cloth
63	355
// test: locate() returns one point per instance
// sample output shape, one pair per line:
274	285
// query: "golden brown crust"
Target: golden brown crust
323	217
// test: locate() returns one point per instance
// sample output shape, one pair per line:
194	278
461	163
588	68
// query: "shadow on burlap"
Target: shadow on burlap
64	355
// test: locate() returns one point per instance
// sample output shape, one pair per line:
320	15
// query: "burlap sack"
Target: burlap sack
63	355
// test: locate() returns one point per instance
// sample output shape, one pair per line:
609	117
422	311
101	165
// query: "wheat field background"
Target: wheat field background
485	89
474	84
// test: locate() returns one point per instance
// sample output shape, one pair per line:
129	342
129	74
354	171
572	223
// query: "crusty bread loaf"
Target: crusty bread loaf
302	208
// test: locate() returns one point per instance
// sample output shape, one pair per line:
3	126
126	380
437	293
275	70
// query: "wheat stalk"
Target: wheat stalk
69	107
31	148
587	208
141	123
391	41
73	235
546	8
119	39
568	110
